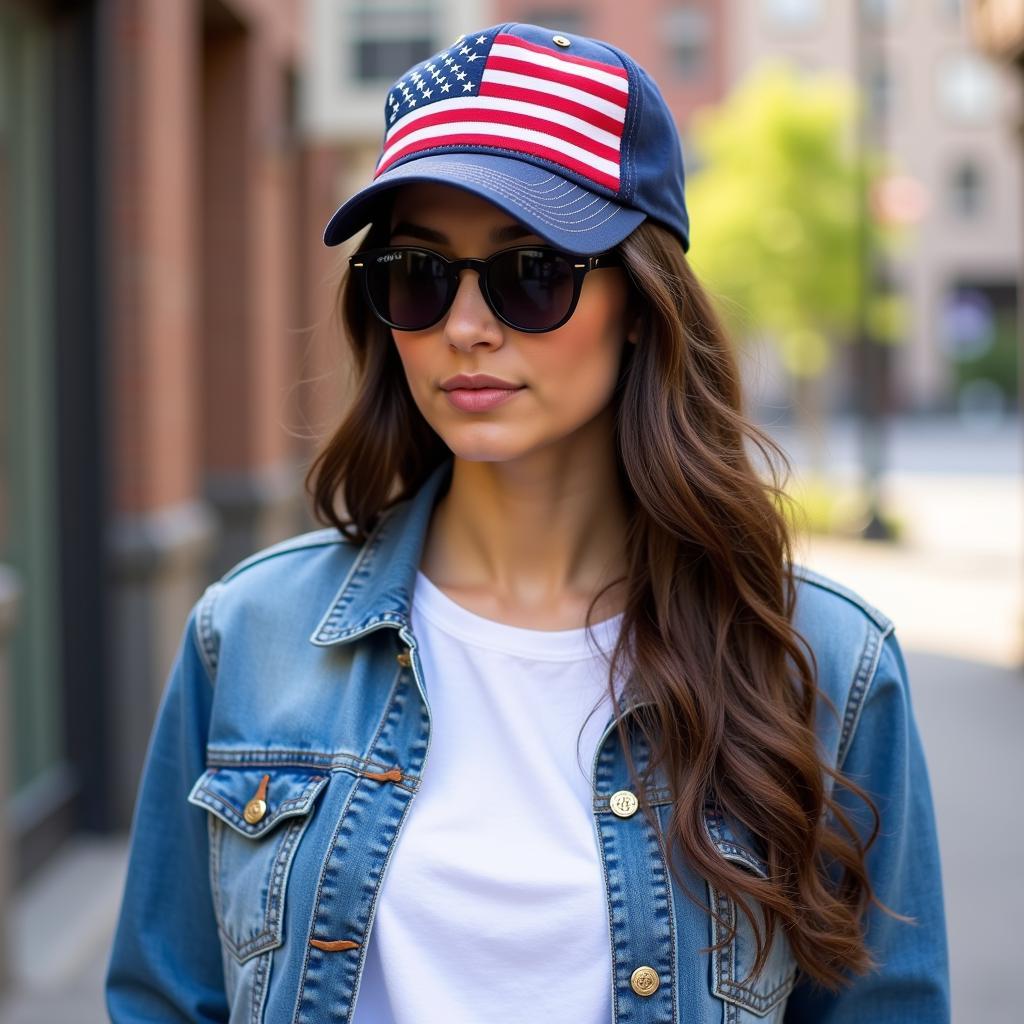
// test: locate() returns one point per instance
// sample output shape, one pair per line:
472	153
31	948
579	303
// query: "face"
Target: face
567	375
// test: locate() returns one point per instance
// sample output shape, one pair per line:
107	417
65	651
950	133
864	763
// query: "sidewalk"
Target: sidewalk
60	930
970	717
955	585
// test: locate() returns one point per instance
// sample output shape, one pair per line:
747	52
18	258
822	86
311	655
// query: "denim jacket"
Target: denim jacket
291	739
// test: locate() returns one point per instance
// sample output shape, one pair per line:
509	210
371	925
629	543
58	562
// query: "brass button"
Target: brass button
403	658
254	810
645	981
560	41
257	806
623	803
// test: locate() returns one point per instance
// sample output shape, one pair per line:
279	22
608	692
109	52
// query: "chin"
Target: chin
472	446
482	453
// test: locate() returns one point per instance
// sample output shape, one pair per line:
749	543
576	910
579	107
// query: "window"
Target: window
793	14
978	332
967	189
879	87
388	38
951	11
687	34
968	87
880	12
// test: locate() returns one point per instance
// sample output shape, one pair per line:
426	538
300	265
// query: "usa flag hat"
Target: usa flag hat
567	134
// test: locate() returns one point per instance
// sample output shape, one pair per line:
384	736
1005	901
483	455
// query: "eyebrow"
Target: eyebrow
506	233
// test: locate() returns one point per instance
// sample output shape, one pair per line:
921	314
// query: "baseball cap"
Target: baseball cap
565	133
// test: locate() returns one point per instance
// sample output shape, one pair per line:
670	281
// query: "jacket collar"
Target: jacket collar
377	591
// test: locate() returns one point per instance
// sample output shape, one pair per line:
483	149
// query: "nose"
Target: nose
470	320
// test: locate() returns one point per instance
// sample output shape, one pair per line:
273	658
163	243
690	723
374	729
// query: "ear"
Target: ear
633	335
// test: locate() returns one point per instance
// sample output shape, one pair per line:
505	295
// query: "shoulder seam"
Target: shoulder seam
206	640
314	538
867	670
815	578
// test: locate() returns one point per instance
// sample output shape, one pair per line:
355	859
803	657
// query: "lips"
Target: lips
477	381
480	399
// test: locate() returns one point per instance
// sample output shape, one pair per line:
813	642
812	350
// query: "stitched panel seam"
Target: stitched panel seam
603	774
866	668
723	958
206	636
217	757
259	987
665	884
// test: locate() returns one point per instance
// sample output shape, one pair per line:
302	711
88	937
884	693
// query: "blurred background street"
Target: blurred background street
168	363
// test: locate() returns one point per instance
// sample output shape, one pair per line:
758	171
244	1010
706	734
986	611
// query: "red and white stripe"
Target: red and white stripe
566	109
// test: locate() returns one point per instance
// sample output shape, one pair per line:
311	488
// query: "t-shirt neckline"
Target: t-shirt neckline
551	645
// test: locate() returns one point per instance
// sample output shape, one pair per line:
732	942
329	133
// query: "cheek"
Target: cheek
584	354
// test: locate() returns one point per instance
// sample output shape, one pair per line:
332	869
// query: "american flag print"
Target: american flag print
494	89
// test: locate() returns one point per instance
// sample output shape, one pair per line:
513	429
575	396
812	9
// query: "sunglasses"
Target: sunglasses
532	288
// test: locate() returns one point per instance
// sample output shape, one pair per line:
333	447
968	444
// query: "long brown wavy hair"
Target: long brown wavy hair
709	599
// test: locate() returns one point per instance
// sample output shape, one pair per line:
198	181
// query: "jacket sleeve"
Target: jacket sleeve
165	963
886	757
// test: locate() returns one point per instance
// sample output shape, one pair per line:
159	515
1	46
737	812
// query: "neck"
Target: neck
539	534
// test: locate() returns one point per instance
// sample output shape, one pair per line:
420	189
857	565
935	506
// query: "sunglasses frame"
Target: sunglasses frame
581	266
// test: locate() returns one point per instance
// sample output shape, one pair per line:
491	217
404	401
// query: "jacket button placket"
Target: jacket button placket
642	924
353	870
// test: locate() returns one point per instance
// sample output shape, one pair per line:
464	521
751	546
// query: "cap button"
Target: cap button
560	41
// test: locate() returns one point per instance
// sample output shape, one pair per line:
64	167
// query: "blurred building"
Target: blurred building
161	269
940	107
997	27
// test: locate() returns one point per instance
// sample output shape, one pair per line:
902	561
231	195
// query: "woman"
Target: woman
548	725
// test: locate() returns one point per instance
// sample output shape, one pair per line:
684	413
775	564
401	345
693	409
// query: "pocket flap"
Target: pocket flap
734	841
732	978
226	791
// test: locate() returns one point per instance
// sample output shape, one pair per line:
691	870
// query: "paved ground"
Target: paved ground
60	931
956	592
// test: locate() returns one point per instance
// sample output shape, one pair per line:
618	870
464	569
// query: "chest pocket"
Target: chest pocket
256	819
746	999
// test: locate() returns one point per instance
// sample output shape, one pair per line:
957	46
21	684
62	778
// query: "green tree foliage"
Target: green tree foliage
777	216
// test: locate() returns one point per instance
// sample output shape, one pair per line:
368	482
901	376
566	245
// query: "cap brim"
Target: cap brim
565	214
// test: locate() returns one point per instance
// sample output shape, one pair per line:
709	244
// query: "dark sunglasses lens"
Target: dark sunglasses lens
531	287
408	287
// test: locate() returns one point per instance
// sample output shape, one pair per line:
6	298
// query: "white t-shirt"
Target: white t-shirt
493	906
